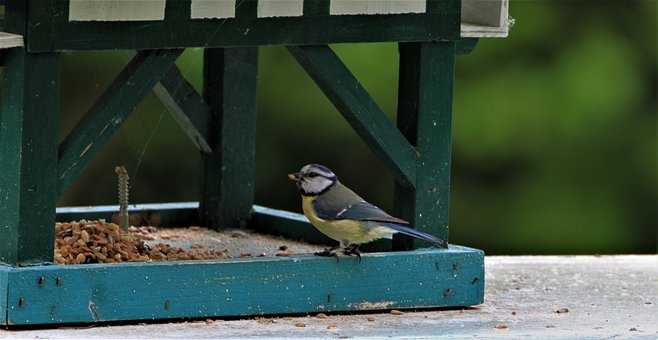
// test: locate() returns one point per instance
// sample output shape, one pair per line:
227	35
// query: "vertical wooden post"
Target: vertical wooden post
228	179
425	118
28	157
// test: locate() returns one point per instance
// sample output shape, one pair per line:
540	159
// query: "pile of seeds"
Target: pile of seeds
102	242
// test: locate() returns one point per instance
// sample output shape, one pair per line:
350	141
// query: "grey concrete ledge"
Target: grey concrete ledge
545	297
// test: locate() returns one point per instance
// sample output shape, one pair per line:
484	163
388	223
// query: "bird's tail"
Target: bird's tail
417	234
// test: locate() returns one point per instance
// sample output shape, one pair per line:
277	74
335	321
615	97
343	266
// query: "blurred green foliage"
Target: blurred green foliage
554	131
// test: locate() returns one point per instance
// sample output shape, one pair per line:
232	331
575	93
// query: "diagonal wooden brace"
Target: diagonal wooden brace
359	109
186	106
108	113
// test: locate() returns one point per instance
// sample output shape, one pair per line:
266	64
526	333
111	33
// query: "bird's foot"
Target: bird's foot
328	252
353	249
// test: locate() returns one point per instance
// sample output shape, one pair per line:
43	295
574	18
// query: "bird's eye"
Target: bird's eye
312	174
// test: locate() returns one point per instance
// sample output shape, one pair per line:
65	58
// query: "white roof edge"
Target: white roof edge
9	40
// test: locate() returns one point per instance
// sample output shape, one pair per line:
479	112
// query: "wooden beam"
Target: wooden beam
241	287
29	118
186	106
50	28
425	118
108	113
358	108
228	173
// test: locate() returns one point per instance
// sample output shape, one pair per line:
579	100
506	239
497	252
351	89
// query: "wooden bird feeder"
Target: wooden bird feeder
36	169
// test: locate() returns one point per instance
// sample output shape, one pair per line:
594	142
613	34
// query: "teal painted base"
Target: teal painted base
54	294
241	287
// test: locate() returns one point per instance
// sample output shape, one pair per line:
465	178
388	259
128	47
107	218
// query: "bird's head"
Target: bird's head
313	179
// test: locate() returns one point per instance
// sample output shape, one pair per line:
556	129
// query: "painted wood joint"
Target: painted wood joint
110	111
359	109
186	106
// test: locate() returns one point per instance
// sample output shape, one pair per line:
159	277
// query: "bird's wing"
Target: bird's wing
361	211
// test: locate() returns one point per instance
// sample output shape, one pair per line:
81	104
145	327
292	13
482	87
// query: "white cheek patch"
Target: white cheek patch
315	185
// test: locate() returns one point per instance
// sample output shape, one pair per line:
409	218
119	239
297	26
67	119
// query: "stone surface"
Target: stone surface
540	296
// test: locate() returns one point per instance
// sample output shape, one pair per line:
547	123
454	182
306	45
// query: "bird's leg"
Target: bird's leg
353	249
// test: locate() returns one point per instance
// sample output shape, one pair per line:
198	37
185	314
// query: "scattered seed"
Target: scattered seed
371	319
501	326
283	247
300	324
513	313
396	312
633	329
321	316
331	327
562	310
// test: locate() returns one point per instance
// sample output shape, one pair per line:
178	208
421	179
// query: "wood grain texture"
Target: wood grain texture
212	9
29	115
355	7
228	173
110	111
50	29
9	40
116	10
280	8
359	109
4	290
186	106
425	117
240	287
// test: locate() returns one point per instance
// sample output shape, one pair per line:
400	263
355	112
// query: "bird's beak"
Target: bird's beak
294	177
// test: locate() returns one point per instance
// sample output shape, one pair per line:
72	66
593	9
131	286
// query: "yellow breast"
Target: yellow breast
344	231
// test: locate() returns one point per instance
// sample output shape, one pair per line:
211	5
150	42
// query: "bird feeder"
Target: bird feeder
36	169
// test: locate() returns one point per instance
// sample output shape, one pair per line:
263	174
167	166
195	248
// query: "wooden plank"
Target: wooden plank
179	214
280	8
359	109
355	7
9	40
318	8
29	115
240	287
186	106
228	173
4	290
50	29
212	9
425	118
108	113
116	10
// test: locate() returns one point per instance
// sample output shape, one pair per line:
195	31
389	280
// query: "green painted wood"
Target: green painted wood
49	29
228	173
359	109
425	118
466	45
110	111
186	106
319	8
29	114
179	214
4	290
241	287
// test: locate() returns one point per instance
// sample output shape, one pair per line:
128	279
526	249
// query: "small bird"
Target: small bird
344	216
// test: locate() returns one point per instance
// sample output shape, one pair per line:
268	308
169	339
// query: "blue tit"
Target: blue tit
344	216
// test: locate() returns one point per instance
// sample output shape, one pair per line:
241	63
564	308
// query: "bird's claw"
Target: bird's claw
353	250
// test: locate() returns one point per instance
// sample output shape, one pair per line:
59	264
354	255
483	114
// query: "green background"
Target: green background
554	131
